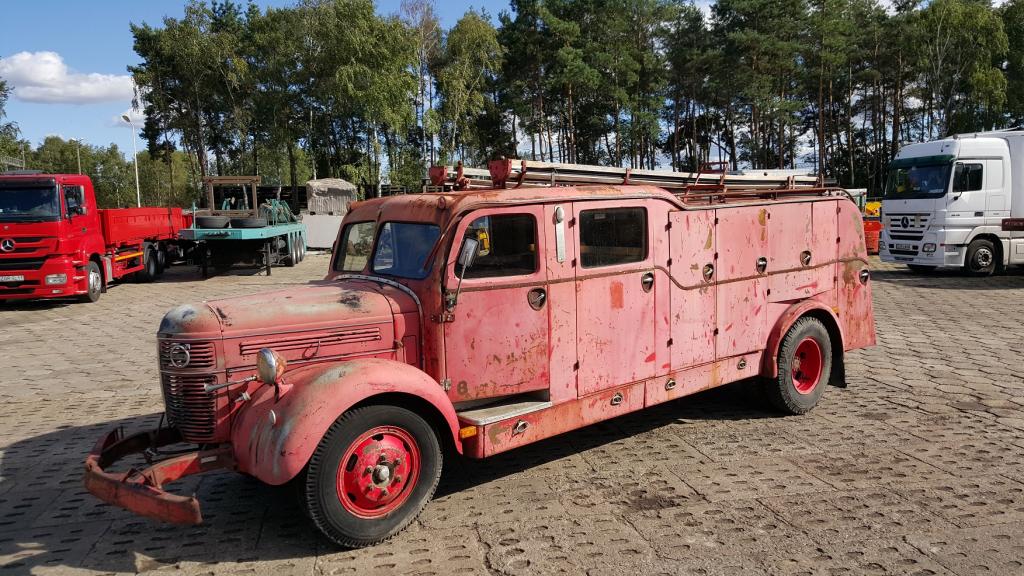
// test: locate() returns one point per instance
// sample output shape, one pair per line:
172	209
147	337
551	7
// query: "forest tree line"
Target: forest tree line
332	88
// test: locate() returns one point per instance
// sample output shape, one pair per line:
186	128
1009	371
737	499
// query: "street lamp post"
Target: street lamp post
135	160
78	153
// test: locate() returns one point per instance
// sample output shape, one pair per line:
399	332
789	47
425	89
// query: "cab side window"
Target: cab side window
74	199
612	236
507	246
967	178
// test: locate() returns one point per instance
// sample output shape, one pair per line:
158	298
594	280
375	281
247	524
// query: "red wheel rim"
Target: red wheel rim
806	366
378	472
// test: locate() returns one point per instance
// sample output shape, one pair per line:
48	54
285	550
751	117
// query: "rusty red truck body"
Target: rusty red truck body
479	321
56	243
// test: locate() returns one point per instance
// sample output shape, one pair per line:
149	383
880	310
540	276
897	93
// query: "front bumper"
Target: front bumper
34	285
141	491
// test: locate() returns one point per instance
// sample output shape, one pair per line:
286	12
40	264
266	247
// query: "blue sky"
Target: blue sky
67	60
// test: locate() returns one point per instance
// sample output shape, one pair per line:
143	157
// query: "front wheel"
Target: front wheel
981	258
371	474
805	363
95	286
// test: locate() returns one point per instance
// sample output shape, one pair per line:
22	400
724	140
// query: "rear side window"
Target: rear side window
356	244
507	246
612	236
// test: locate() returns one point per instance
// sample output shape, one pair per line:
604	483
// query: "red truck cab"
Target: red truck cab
484	320
55	242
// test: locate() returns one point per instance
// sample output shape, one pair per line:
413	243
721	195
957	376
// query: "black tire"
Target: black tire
981	258
94	277
150	267
322	496
215	222
302	248
248	222
796	391
293	253
161	260
921	269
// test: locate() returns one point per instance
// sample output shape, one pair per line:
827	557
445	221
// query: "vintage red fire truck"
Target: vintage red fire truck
55	242
481	320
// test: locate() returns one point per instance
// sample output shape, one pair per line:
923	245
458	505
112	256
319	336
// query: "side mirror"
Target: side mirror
467	254
80	210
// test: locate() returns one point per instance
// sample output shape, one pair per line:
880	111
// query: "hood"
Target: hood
309	307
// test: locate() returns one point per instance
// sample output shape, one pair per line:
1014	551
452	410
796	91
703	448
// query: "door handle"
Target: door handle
647	281
537	297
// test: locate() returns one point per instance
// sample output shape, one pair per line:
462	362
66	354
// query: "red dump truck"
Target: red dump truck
56	243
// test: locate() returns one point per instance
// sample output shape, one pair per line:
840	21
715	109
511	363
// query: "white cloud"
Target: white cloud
44	77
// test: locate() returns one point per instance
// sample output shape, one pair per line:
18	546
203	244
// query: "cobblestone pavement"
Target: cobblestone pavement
916	468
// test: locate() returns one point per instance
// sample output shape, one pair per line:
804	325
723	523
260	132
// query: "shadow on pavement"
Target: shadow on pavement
47	519
951	278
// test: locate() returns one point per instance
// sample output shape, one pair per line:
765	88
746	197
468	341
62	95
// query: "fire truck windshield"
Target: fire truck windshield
29	204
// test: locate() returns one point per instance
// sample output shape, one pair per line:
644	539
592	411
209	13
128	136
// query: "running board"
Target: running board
497	412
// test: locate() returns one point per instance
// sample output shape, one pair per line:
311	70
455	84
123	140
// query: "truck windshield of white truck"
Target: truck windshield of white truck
29	204
927	179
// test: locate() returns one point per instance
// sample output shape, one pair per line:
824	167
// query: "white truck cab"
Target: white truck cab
945	201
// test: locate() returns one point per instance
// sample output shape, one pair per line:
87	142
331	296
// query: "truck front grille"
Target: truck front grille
21	263
189	407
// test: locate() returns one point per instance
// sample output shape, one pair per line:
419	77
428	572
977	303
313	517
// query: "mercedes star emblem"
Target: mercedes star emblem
7	245
179	355
905	222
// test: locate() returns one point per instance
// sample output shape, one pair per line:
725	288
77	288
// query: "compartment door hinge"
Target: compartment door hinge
446	384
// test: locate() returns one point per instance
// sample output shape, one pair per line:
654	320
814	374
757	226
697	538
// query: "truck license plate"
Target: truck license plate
904	246
12	278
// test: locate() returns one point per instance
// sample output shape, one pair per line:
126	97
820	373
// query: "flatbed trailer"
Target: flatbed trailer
266	234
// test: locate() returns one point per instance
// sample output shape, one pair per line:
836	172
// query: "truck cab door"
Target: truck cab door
77	213
496	337
615	295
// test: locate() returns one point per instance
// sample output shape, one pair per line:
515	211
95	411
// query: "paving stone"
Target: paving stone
997	549
970	501
750	479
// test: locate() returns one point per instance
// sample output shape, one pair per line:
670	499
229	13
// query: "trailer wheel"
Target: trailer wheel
981	258
293	253
95	278
215	222
805	363
161	260
371	475
302	247
248	222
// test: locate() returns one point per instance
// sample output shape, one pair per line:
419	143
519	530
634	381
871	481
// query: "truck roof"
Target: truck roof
434	206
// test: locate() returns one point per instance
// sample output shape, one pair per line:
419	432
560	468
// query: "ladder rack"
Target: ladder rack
706	185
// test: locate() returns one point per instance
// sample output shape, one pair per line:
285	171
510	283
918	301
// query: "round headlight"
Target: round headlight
269	366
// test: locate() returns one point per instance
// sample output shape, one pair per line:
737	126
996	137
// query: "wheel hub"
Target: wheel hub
94	281
806	366
378	472
984	258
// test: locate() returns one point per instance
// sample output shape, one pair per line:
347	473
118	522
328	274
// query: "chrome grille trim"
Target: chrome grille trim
189	407
202	355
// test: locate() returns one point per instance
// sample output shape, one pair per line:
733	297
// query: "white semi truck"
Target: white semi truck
946	202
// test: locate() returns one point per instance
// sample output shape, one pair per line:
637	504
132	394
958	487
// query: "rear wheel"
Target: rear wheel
981	258
805	363
371	474
150	266
95	279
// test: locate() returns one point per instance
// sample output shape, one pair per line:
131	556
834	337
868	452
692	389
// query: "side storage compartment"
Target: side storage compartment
798	266
741	236
853	280
693	297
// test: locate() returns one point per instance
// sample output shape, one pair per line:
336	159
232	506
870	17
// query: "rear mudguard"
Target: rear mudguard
273	439
769	362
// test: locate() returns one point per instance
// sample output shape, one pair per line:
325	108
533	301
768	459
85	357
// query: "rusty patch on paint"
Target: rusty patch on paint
617	296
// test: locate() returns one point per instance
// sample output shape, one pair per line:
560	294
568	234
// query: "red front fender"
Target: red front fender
274	439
